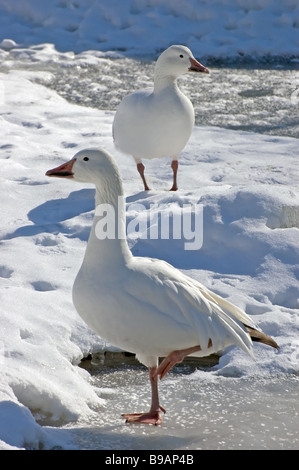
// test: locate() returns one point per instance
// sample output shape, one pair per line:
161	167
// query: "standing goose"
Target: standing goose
158	123
144	305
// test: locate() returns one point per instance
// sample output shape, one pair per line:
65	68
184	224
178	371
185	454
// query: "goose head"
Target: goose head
88	166
176	61
93	166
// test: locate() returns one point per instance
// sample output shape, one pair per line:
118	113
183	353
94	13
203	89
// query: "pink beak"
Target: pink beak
197	66
63	171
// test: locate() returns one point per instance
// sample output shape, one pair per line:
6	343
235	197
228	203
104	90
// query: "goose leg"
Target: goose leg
154	414
173	358
140	168
174	166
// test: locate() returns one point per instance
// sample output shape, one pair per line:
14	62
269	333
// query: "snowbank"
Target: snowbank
39	344
220	28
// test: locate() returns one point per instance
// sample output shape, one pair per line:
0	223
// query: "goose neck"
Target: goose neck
163	82
107	245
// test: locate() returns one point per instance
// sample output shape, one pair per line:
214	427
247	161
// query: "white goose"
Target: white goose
143	305
158	123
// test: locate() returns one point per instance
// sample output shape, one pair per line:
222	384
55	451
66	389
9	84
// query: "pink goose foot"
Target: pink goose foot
175	357
140	168
154	414
174	166
152	417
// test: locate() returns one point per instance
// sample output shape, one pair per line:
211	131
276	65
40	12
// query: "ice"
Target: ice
246	182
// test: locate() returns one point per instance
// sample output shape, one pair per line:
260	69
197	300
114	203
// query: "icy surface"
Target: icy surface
204	410
256	98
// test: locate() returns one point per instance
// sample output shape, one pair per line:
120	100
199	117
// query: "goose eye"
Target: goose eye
86	159
181	56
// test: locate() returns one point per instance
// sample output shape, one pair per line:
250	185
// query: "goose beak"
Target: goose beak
197	66
63	171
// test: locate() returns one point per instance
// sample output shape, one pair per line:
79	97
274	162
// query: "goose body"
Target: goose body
153	124
144	305
148	308
158	122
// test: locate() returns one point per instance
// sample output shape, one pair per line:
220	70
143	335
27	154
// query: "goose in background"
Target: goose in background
158	122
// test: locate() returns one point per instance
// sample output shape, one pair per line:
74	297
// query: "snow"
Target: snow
247	184
219	28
